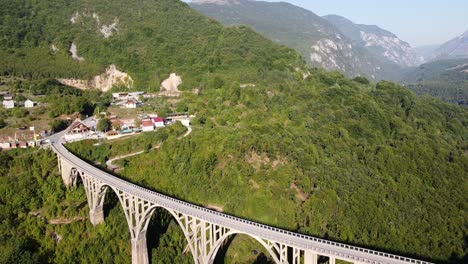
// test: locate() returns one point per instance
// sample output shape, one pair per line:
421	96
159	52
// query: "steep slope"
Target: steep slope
452	49
150	40
445	79
319	42
382	43
367	164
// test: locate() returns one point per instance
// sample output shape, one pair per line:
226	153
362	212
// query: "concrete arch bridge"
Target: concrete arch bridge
205	230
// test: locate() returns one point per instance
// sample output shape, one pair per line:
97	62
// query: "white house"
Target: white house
147	125
131	104
28	103
158	122
8	104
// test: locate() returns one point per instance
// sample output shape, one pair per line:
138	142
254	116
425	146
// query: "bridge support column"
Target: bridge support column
95	192
332	260
68	173
96	215
140	250
310	257
138	213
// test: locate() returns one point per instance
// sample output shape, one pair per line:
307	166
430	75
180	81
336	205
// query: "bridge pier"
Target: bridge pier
68	173
138	213
140	250
96	215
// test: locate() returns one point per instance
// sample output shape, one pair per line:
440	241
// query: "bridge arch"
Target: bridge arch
214	251
177	218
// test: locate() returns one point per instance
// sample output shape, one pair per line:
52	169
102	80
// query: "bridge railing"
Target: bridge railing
150	193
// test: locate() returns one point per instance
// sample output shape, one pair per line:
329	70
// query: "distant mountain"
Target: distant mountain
446	79
380	42
426	51
455	48
320	43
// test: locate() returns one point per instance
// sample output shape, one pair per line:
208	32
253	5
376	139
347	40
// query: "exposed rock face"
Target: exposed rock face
392	48
319	42
455	48
74	52
170	86
106	30
383	44
54	48
103	82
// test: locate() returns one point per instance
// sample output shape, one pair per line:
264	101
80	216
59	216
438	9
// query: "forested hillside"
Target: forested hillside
303	149
444	79
149	40
371	165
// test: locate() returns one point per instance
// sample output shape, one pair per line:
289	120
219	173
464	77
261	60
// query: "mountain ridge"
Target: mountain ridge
319	42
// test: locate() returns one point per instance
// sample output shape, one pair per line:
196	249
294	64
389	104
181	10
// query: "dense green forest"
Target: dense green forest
371	165
365	164
445	79
153	39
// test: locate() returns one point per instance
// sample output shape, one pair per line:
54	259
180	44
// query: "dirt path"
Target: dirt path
110	165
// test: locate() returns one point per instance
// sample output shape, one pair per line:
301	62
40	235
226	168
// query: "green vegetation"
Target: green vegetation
346	161
103	151
446	79
365	164
154	38
104	124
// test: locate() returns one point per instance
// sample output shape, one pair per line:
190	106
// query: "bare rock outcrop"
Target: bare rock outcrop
103	82
169	87
74	52
106	30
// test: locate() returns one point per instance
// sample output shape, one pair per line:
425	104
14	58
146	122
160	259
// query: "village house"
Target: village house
8	104
147	125
158	122
28	103
78	130
8	97
120	96
131	104
5	145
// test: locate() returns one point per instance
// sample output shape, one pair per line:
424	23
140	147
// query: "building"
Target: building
28	103
158	122
23	144
131	104
8	104
5	145
8	97
147	125
78	130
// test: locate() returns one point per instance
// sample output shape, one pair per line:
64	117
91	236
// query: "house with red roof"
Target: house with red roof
131	104
158	122
147	125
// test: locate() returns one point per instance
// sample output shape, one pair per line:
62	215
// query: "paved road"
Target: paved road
327	248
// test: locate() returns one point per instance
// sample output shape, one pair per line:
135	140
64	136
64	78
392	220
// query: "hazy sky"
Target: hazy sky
419	22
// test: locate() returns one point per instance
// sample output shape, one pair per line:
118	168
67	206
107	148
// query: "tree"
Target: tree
58	125
104	124
2	123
